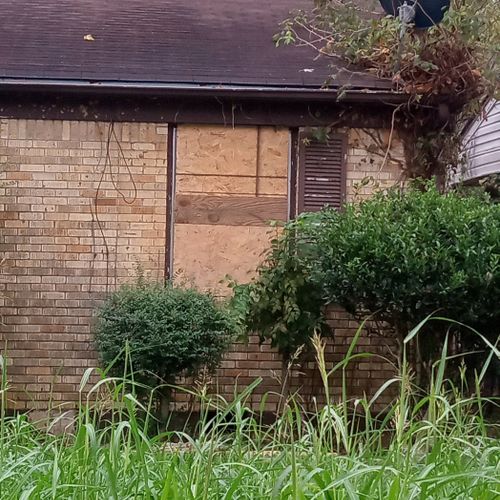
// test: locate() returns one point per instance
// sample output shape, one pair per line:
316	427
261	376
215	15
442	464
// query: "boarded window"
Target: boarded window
321	173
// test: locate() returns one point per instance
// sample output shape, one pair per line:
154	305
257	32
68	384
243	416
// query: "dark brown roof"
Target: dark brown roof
171	42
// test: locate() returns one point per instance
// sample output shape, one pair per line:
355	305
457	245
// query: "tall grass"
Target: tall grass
436	445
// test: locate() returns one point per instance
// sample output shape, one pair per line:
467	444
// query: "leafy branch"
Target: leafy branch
447	71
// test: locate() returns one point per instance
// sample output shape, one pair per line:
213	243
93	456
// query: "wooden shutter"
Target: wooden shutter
321	173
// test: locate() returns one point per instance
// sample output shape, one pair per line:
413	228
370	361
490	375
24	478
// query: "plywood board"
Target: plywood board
229	210
205	255
272	186
274	146
215	184
209	149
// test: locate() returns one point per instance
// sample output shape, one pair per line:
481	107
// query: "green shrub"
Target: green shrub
169	331
403	255
397	257
281	305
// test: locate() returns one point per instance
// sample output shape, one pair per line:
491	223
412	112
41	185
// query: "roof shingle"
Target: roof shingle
202	42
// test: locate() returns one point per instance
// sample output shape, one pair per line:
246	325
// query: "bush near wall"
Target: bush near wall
399	257
159	332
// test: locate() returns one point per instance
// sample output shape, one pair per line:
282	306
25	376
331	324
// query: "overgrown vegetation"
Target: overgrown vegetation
281	306
402	256
447	71
422	445
396	258
158	332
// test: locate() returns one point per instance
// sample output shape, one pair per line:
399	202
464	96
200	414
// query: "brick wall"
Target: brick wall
369	161
84	204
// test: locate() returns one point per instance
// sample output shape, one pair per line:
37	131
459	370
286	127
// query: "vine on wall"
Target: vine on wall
109	171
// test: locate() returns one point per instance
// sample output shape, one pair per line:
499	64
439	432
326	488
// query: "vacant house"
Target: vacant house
163	136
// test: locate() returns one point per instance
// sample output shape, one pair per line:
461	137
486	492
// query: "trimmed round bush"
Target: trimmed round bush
169	330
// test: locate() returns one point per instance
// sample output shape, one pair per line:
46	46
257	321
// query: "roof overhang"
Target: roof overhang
185	90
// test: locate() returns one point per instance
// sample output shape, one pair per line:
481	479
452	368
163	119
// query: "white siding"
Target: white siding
482	144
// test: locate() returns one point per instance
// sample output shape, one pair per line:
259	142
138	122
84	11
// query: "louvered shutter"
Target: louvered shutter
321	173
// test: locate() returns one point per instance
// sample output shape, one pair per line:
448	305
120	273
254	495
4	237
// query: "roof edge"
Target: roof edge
206	90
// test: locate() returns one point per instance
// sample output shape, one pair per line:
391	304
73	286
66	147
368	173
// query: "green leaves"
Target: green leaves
447	72
282	305
168	330
400	257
